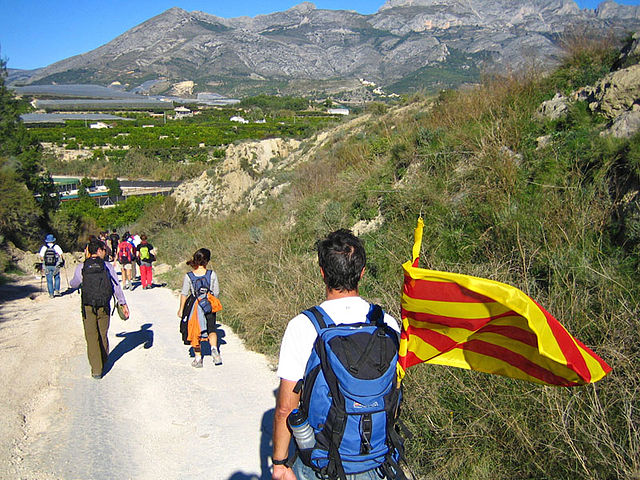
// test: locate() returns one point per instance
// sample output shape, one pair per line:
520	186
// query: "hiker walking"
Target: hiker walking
104	238
98	281
364	341
132	240
198	307
52	262
114	240
146	256
126	259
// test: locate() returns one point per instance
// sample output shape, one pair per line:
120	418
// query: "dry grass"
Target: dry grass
580	40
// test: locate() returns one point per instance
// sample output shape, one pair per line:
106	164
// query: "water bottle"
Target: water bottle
302	431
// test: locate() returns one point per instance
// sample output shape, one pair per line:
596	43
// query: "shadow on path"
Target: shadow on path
206	346
266	433
130	340
11	291
135	284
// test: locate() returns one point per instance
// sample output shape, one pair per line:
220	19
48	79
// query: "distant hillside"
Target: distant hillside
406	45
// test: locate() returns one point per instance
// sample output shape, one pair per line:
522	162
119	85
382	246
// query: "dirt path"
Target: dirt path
152	416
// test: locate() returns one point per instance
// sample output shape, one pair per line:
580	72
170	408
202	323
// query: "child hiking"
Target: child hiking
198	307
146	257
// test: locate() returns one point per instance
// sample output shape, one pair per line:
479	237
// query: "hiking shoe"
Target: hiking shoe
197	363
56	293
215	354
96	376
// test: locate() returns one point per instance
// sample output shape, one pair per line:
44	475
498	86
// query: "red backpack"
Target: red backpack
125	253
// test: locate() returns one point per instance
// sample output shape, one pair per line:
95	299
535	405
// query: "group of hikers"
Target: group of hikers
127	252
338	396
124	253
98	282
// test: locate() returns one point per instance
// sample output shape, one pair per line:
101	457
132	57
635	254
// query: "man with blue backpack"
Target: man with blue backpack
338	385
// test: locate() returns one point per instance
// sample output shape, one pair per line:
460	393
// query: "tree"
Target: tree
39	182
85	183
23	151
113	184
9	117
19	212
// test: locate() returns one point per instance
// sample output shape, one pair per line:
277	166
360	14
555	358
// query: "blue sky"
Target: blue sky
36	33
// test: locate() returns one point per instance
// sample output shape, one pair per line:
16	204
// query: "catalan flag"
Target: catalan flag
480	324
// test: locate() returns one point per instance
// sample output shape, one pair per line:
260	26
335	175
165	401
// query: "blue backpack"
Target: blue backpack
201	287
351	399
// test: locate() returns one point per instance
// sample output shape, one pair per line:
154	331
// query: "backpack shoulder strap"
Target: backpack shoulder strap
208	275
375	315
319	318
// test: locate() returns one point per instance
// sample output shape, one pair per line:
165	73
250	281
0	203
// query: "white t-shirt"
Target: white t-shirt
300	334
56	248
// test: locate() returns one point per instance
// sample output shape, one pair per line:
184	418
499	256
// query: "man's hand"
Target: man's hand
286	400
125	310
282	472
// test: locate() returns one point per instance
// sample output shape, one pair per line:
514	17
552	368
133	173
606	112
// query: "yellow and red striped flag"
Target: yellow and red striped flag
480	324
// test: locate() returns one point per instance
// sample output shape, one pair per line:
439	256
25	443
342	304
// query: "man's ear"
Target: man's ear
322	272
362	272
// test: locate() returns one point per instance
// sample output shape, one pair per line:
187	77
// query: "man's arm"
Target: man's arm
286	401
76	281
117	289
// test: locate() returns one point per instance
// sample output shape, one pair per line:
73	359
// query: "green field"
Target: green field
160	147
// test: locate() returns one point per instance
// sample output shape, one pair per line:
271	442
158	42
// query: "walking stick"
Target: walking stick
66	275
40	268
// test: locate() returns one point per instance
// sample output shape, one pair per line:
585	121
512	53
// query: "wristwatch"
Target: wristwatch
280	462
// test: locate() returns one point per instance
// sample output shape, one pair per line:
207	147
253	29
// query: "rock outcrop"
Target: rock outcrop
252	172
625	125
245	178
616	93
616	96
555	108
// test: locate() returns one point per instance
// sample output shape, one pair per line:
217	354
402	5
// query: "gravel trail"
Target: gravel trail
152	416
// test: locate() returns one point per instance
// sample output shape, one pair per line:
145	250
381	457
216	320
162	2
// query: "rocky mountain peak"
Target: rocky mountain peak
303	8
610	9
480	5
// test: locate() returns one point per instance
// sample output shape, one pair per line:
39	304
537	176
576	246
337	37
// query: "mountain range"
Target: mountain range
407	44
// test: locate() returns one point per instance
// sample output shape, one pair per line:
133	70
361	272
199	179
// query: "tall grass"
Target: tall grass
550	221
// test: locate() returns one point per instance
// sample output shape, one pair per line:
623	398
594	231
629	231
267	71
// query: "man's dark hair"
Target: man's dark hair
95	245
342	257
